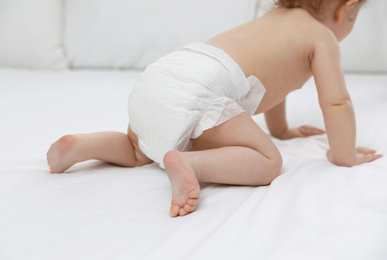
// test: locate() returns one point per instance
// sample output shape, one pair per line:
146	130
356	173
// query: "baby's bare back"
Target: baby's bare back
276	48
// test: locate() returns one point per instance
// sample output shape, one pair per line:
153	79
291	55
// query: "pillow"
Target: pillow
31	34
365	49
134	33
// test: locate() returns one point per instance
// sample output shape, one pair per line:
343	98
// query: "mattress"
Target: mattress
313	210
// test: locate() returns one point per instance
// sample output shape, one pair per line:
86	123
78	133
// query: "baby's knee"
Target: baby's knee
277	162
276	168
273	170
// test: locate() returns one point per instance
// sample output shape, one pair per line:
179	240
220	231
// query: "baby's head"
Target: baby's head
316	7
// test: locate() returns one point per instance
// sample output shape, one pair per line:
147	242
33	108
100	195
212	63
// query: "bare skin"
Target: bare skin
287	42
111	147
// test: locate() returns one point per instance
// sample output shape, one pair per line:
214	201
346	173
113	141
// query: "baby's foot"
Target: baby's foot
185	186
61	154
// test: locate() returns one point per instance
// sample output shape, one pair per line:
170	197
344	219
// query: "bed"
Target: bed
79	64
313	210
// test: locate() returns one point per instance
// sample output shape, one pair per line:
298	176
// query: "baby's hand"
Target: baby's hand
302	131
363	155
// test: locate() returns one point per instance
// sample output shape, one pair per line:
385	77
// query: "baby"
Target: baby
190	111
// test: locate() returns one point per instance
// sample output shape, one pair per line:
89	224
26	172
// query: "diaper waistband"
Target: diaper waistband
221	56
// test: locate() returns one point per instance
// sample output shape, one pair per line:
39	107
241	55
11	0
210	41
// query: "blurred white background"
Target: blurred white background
127	34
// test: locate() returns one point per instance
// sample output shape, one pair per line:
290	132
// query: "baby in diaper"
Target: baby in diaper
190	111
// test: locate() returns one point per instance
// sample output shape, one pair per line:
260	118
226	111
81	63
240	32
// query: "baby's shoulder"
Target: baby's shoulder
308	25
309	30
296	24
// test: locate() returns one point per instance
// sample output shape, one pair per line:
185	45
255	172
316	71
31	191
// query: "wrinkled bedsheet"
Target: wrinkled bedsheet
313	210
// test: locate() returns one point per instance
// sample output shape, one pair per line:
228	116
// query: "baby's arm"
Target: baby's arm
336	106
278	126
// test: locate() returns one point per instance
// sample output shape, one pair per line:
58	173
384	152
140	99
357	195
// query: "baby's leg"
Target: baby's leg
236	152
111	147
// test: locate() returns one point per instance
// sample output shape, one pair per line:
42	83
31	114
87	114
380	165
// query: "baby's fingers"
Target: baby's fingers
365	150
309	130
367	155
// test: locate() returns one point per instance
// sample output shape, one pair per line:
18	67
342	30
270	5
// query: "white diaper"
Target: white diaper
185	93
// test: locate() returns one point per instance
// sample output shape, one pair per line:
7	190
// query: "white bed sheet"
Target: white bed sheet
314	210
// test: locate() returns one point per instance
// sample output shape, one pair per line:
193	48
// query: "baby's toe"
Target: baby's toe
174	211
189	208
192	202
183	212
195	194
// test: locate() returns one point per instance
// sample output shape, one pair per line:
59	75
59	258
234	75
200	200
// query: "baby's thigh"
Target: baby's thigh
240	130
141	158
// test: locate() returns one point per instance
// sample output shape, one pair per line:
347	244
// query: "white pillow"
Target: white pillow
31	34
134	33
365	49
